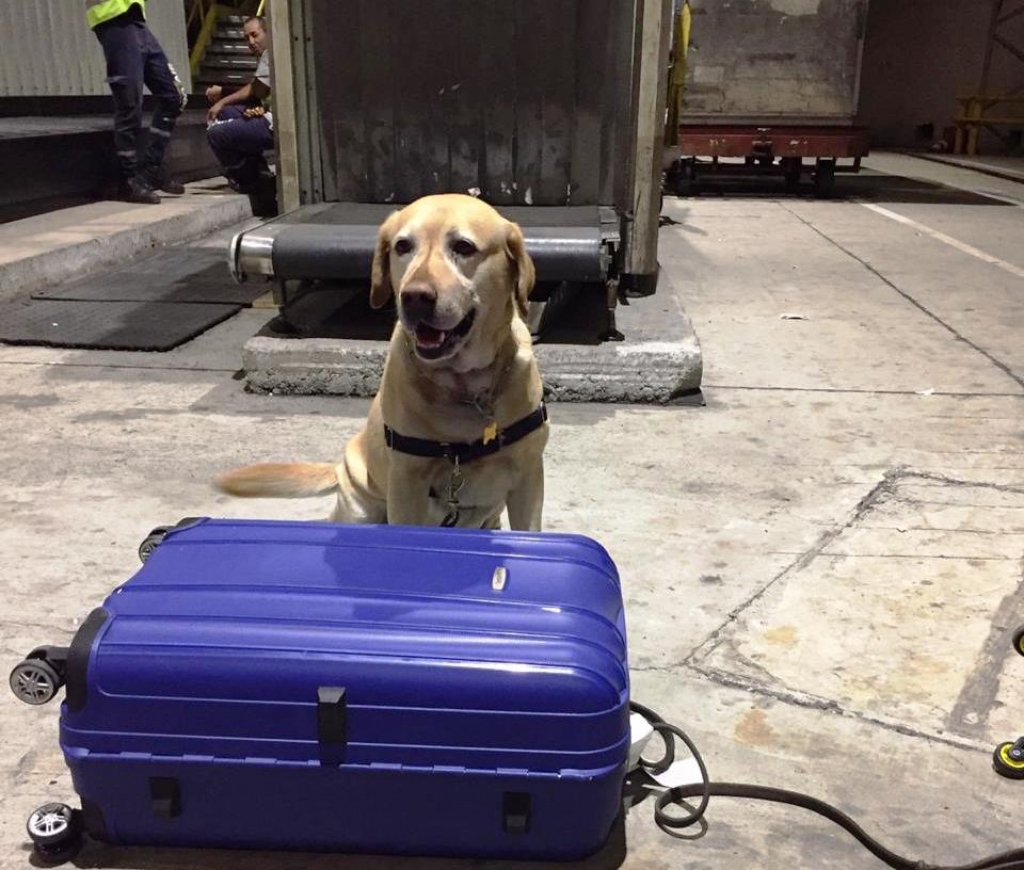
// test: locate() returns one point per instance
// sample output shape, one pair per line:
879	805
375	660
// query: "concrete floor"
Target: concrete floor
821	567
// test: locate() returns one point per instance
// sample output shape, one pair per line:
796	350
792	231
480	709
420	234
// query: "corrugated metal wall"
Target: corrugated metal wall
48	50
526	100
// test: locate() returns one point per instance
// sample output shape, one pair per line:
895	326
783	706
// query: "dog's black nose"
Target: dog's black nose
418	302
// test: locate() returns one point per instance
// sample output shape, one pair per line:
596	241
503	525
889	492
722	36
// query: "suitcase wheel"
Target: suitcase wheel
1018	640
56	833
35	681
1008	760
153	540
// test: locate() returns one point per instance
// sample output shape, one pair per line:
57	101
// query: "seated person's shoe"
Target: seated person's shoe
263	196
137	190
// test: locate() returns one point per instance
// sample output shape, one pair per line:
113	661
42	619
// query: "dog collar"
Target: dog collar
463	451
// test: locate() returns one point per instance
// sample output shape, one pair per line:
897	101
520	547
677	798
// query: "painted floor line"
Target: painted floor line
948	240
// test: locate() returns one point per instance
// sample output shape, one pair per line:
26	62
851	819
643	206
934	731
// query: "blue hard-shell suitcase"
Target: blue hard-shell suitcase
354	688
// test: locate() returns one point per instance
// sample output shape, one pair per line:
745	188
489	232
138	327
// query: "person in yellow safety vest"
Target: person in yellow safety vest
135	58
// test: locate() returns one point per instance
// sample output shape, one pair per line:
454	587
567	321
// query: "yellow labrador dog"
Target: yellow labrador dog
457	430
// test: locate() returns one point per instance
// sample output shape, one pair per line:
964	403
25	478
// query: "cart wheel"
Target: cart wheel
673	179
56	832
1006	764
825	178
681	177
1018	640
151	542
792	169
35	681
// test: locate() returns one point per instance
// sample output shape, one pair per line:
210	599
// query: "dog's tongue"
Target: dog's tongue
427	336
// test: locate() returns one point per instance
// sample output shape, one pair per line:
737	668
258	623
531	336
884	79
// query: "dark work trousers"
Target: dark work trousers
239	143
134	58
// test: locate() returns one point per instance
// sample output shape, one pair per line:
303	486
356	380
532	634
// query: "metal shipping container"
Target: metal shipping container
551	108
774	61
771	83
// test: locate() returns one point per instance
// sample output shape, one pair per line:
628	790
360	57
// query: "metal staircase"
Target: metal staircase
227	59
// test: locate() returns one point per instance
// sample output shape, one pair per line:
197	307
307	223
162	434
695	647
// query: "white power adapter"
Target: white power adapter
640	732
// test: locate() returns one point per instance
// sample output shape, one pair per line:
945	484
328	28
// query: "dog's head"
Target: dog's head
458	270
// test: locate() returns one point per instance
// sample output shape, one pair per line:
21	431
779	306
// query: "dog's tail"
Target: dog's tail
280	480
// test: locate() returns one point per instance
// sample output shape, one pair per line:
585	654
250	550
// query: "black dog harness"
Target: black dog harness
461	452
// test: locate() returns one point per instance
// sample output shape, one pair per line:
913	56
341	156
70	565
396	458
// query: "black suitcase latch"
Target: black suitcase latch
332	724
166	795
515	812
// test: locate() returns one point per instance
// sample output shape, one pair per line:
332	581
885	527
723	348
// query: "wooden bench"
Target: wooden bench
976	112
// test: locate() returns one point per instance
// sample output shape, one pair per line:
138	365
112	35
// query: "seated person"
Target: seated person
240	127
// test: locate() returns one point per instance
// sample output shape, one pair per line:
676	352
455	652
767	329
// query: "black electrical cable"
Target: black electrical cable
675	796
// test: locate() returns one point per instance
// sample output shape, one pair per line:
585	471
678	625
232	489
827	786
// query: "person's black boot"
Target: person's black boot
158	180
171	186
137	190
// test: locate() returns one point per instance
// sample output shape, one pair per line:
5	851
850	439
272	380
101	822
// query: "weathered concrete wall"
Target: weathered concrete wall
768	59
919	56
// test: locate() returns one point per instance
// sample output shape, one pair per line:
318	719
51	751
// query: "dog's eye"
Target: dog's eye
463	248
402	247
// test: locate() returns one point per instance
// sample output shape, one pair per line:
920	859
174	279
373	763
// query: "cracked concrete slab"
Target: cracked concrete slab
775	609
890	618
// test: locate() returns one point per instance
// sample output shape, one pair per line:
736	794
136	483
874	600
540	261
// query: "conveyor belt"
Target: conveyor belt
337	241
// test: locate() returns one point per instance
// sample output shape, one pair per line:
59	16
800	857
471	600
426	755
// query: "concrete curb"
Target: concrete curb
951	160
313	366
640	373
64	262
645	369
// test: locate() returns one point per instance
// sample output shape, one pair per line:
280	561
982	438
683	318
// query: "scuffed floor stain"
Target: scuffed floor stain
753	729
784	635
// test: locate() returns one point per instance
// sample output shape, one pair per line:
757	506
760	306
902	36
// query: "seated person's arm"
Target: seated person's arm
259	90
242	95
215	92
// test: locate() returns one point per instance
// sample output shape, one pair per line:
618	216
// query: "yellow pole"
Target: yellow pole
203	40
677	74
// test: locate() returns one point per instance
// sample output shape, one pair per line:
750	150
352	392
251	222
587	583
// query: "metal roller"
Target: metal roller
324	252
325	249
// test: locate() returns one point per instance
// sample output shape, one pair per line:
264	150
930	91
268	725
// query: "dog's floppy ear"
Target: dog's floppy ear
523	274
380	275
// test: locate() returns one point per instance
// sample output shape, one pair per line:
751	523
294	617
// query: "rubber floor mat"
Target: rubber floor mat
151	326
178	274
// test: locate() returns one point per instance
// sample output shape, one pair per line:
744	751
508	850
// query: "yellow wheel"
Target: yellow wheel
1018	640
1008	760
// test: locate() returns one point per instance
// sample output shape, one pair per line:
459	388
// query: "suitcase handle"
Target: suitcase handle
332	724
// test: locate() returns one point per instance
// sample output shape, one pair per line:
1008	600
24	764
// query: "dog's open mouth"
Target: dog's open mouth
433	343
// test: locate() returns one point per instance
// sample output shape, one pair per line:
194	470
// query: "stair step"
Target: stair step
229	33
222	79
228	48
232	19
229	62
